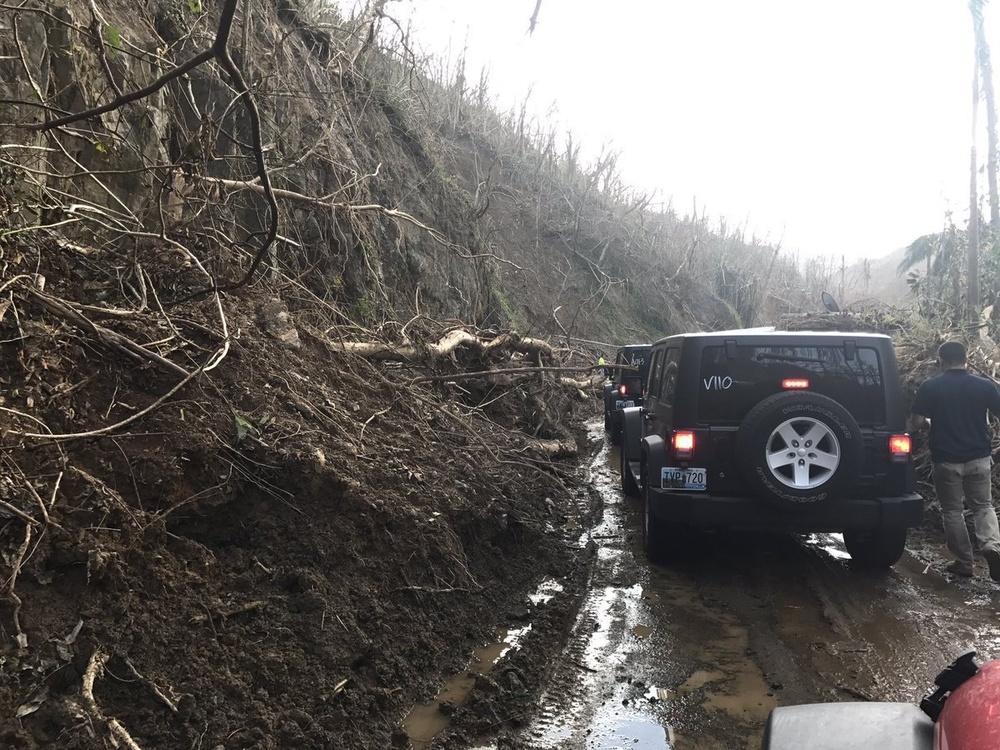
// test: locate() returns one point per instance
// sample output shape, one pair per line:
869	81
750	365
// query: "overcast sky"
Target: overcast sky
836	127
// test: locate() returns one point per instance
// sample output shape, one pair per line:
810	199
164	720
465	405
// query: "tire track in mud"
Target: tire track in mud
581	701
647	663
696	654
832	632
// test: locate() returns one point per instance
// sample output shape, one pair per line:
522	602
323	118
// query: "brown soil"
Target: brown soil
291	552
296	546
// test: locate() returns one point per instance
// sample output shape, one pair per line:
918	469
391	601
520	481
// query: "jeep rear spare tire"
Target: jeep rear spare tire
799	449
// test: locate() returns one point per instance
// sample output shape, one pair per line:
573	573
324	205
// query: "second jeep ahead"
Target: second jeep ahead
625	386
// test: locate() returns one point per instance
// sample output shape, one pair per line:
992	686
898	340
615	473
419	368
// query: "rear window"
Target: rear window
729	388
638	357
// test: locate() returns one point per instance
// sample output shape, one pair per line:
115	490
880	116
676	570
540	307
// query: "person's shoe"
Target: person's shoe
993	560
957	568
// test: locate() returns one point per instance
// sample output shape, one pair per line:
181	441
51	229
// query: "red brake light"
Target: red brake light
900	445
683	443
622	389
794	383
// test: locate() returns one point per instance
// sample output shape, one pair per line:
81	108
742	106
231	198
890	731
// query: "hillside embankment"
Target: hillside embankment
254	493
296	342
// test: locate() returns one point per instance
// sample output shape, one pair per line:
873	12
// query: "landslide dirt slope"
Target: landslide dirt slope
220	526
290	552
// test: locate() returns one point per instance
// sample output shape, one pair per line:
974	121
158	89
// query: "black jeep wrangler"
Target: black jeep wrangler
625	387
773	430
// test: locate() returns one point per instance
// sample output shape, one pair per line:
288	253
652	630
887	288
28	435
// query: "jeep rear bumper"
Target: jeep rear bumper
713	511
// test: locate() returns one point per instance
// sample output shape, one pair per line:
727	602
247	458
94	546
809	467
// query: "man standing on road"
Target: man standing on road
955	403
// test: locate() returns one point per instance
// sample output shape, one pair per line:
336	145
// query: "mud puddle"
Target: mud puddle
427	721
828	631
596	697
646	663
695	655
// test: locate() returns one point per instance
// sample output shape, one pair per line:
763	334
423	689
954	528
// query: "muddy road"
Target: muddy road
696	655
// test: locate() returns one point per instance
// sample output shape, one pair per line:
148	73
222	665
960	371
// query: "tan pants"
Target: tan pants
960	485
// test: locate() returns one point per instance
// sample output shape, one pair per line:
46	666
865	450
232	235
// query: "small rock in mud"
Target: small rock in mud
278	323
486	685
300	717
520	611
515	682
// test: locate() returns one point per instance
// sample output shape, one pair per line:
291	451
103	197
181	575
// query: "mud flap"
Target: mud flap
630	448
632	434
607	406
654	448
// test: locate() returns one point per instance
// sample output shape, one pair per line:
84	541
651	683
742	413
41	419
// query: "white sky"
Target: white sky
836	127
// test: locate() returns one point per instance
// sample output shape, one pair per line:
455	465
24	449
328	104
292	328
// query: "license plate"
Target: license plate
624	404
672	478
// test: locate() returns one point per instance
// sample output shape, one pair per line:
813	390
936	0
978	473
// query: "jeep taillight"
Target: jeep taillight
794	383
900	447
622	389
683	444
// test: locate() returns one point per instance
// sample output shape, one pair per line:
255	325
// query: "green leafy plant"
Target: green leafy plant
244	427
114	39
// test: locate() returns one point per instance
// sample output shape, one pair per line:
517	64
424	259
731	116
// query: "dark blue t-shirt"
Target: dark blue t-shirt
956	403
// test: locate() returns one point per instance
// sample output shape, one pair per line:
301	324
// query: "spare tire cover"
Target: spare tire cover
799	449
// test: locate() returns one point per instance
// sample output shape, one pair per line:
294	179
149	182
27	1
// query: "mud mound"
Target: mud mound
288	552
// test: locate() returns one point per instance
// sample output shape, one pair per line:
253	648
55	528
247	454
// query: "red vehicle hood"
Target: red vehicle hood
970	719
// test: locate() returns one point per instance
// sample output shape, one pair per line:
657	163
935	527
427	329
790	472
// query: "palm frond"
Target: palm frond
918	251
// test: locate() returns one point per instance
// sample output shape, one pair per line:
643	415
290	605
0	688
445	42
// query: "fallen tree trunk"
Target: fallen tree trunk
554	448
509	371
448	343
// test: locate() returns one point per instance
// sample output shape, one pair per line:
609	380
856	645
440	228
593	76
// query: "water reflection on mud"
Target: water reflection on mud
698	653
428	720
595	697
831	544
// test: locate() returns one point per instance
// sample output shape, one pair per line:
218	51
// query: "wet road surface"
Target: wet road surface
695	655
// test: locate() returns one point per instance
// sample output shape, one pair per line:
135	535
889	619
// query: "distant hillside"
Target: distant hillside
876	279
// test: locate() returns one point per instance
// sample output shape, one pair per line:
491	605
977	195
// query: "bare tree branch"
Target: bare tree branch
220	52
533	21
507	371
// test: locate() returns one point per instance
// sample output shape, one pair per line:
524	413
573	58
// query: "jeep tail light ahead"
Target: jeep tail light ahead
622	389
683	444
899	448
794	383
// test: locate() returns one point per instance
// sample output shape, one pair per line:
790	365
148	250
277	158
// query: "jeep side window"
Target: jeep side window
669	389
616	374
653	382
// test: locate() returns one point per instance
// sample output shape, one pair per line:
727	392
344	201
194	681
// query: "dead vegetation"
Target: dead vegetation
133	488
297	338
